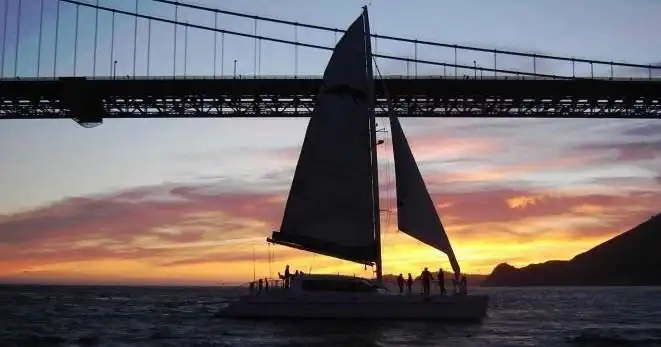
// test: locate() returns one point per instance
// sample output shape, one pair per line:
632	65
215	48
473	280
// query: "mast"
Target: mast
374	170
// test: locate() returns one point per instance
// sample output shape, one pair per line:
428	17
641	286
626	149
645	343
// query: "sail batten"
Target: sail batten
416	213
330	205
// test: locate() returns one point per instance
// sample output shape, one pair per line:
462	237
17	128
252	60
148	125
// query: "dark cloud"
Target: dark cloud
650	129
628	151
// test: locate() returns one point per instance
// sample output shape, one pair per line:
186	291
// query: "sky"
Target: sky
191	201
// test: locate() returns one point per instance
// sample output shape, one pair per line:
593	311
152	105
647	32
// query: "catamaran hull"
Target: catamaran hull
471	307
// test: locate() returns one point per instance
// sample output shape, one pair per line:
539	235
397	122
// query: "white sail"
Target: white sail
416	214
330	205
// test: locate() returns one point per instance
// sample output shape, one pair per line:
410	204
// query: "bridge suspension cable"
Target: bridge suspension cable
315	46
414	41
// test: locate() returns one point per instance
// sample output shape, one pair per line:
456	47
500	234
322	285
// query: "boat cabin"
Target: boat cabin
334	283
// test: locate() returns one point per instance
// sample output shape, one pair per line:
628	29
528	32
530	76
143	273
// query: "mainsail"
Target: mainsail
416	214
331	205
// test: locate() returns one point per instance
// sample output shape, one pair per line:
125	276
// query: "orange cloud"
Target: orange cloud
203	234
206	233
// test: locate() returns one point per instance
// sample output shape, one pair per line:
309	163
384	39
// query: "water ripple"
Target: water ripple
162	316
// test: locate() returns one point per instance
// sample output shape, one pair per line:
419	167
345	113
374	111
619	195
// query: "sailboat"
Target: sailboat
333	207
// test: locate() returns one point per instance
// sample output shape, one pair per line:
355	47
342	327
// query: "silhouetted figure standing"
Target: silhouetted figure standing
260	285
266	284
409	283
426	281
287	276
464	285
252	288
400	283
441	281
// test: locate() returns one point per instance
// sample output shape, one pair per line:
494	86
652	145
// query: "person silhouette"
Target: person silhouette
426	277
400	283
441	281
409	283
464	285
287	276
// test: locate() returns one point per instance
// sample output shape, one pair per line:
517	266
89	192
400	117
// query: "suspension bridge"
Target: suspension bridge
63	63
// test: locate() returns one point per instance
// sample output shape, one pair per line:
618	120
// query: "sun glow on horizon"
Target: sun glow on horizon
499	201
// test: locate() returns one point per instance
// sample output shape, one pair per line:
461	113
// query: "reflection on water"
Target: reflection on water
161	316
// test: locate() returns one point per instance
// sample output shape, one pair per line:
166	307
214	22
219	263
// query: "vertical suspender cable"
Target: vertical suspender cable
96	38
176	19
254	61
456	72
259	57
415	56
495	66
148	47
57	31
186	49
222	53
112	47
18	37
41	19
4	40
135	37
215	42
75	43
295	51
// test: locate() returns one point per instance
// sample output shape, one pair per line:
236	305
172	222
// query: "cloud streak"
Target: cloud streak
500	200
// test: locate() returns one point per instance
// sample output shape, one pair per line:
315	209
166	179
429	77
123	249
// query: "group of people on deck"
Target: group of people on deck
426	278
288	276
263	284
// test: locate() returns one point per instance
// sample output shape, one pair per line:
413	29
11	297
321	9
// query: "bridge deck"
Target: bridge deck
292	97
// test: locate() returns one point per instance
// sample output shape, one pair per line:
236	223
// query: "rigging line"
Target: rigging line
268	259
402	39
41	19
254	271
222	53
4	40
309	45
57	29
18	37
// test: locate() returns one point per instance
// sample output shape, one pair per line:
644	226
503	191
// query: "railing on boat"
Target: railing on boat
266	285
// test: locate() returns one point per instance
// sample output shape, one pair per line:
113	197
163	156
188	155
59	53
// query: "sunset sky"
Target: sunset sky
189	201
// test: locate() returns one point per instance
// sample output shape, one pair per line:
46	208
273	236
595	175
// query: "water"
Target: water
162	316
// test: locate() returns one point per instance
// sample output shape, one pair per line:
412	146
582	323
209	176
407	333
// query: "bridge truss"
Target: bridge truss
93	99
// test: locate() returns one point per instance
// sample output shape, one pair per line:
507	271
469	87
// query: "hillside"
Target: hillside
631	258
